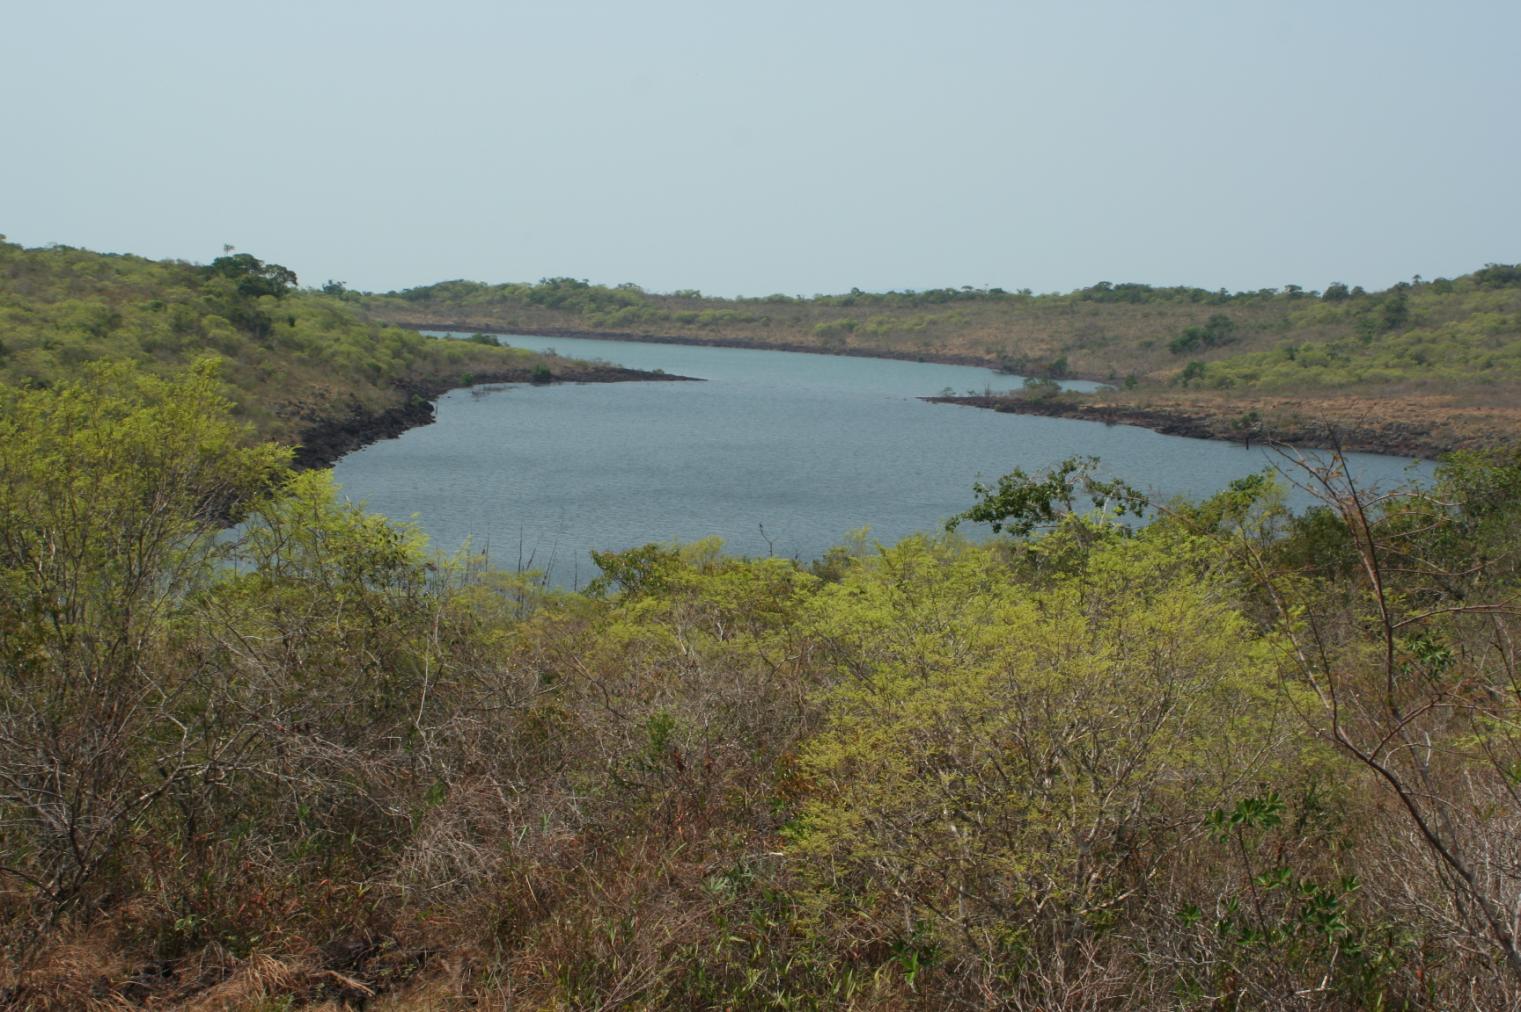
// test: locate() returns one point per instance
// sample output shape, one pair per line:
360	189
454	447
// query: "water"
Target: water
777	453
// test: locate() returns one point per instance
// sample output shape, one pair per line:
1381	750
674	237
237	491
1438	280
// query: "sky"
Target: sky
747	149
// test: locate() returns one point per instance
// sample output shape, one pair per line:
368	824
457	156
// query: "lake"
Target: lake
777	453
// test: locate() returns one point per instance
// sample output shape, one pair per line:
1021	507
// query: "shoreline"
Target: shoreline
941	358
324	438
1239	424
1417	431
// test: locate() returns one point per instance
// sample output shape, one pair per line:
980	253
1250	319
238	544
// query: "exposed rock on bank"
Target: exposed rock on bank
1404	427
328	431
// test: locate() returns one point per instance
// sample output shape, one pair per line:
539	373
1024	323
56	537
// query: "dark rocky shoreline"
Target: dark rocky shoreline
1371	435
326	436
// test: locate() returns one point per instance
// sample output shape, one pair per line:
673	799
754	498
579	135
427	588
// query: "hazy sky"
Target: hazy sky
773	146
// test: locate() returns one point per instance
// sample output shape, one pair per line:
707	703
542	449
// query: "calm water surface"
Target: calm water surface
777	452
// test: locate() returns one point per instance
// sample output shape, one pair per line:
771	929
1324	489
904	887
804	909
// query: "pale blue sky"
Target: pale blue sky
776	146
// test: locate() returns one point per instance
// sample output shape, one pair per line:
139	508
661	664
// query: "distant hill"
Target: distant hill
1435	365
1107	331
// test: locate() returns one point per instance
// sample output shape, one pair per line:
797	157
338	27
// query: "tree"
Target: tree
1008	767
1217	330
253	276
1021	504
112	491
1396	308
1041	387
1410	641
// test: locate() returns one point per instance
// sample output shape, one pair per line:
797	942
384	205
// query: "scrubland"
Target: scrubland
259	749
1229	757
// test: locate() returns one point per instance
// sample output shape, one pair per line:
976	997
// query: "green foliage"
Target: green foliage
834	331
634	571
1193	372
253	277
1395	310
289	356
1108	760
1218	330
1498	276
1021	504
829	328
114	488
1003	763
1041	387
1458	332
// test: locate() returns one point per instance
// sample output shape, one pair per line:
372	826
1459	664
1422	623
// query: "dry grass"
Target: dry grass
1417	423
1099	340
83	974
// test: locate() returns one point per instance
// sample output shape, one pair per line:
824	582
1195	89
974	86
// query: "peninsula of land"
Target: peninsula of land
301	367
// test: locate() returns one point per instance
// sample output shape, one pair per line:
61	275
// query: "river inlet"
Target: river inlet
780	453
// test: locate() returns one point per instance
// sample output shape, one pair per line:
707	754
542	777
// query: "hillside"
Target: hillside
300	366
1426	366
1106	331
